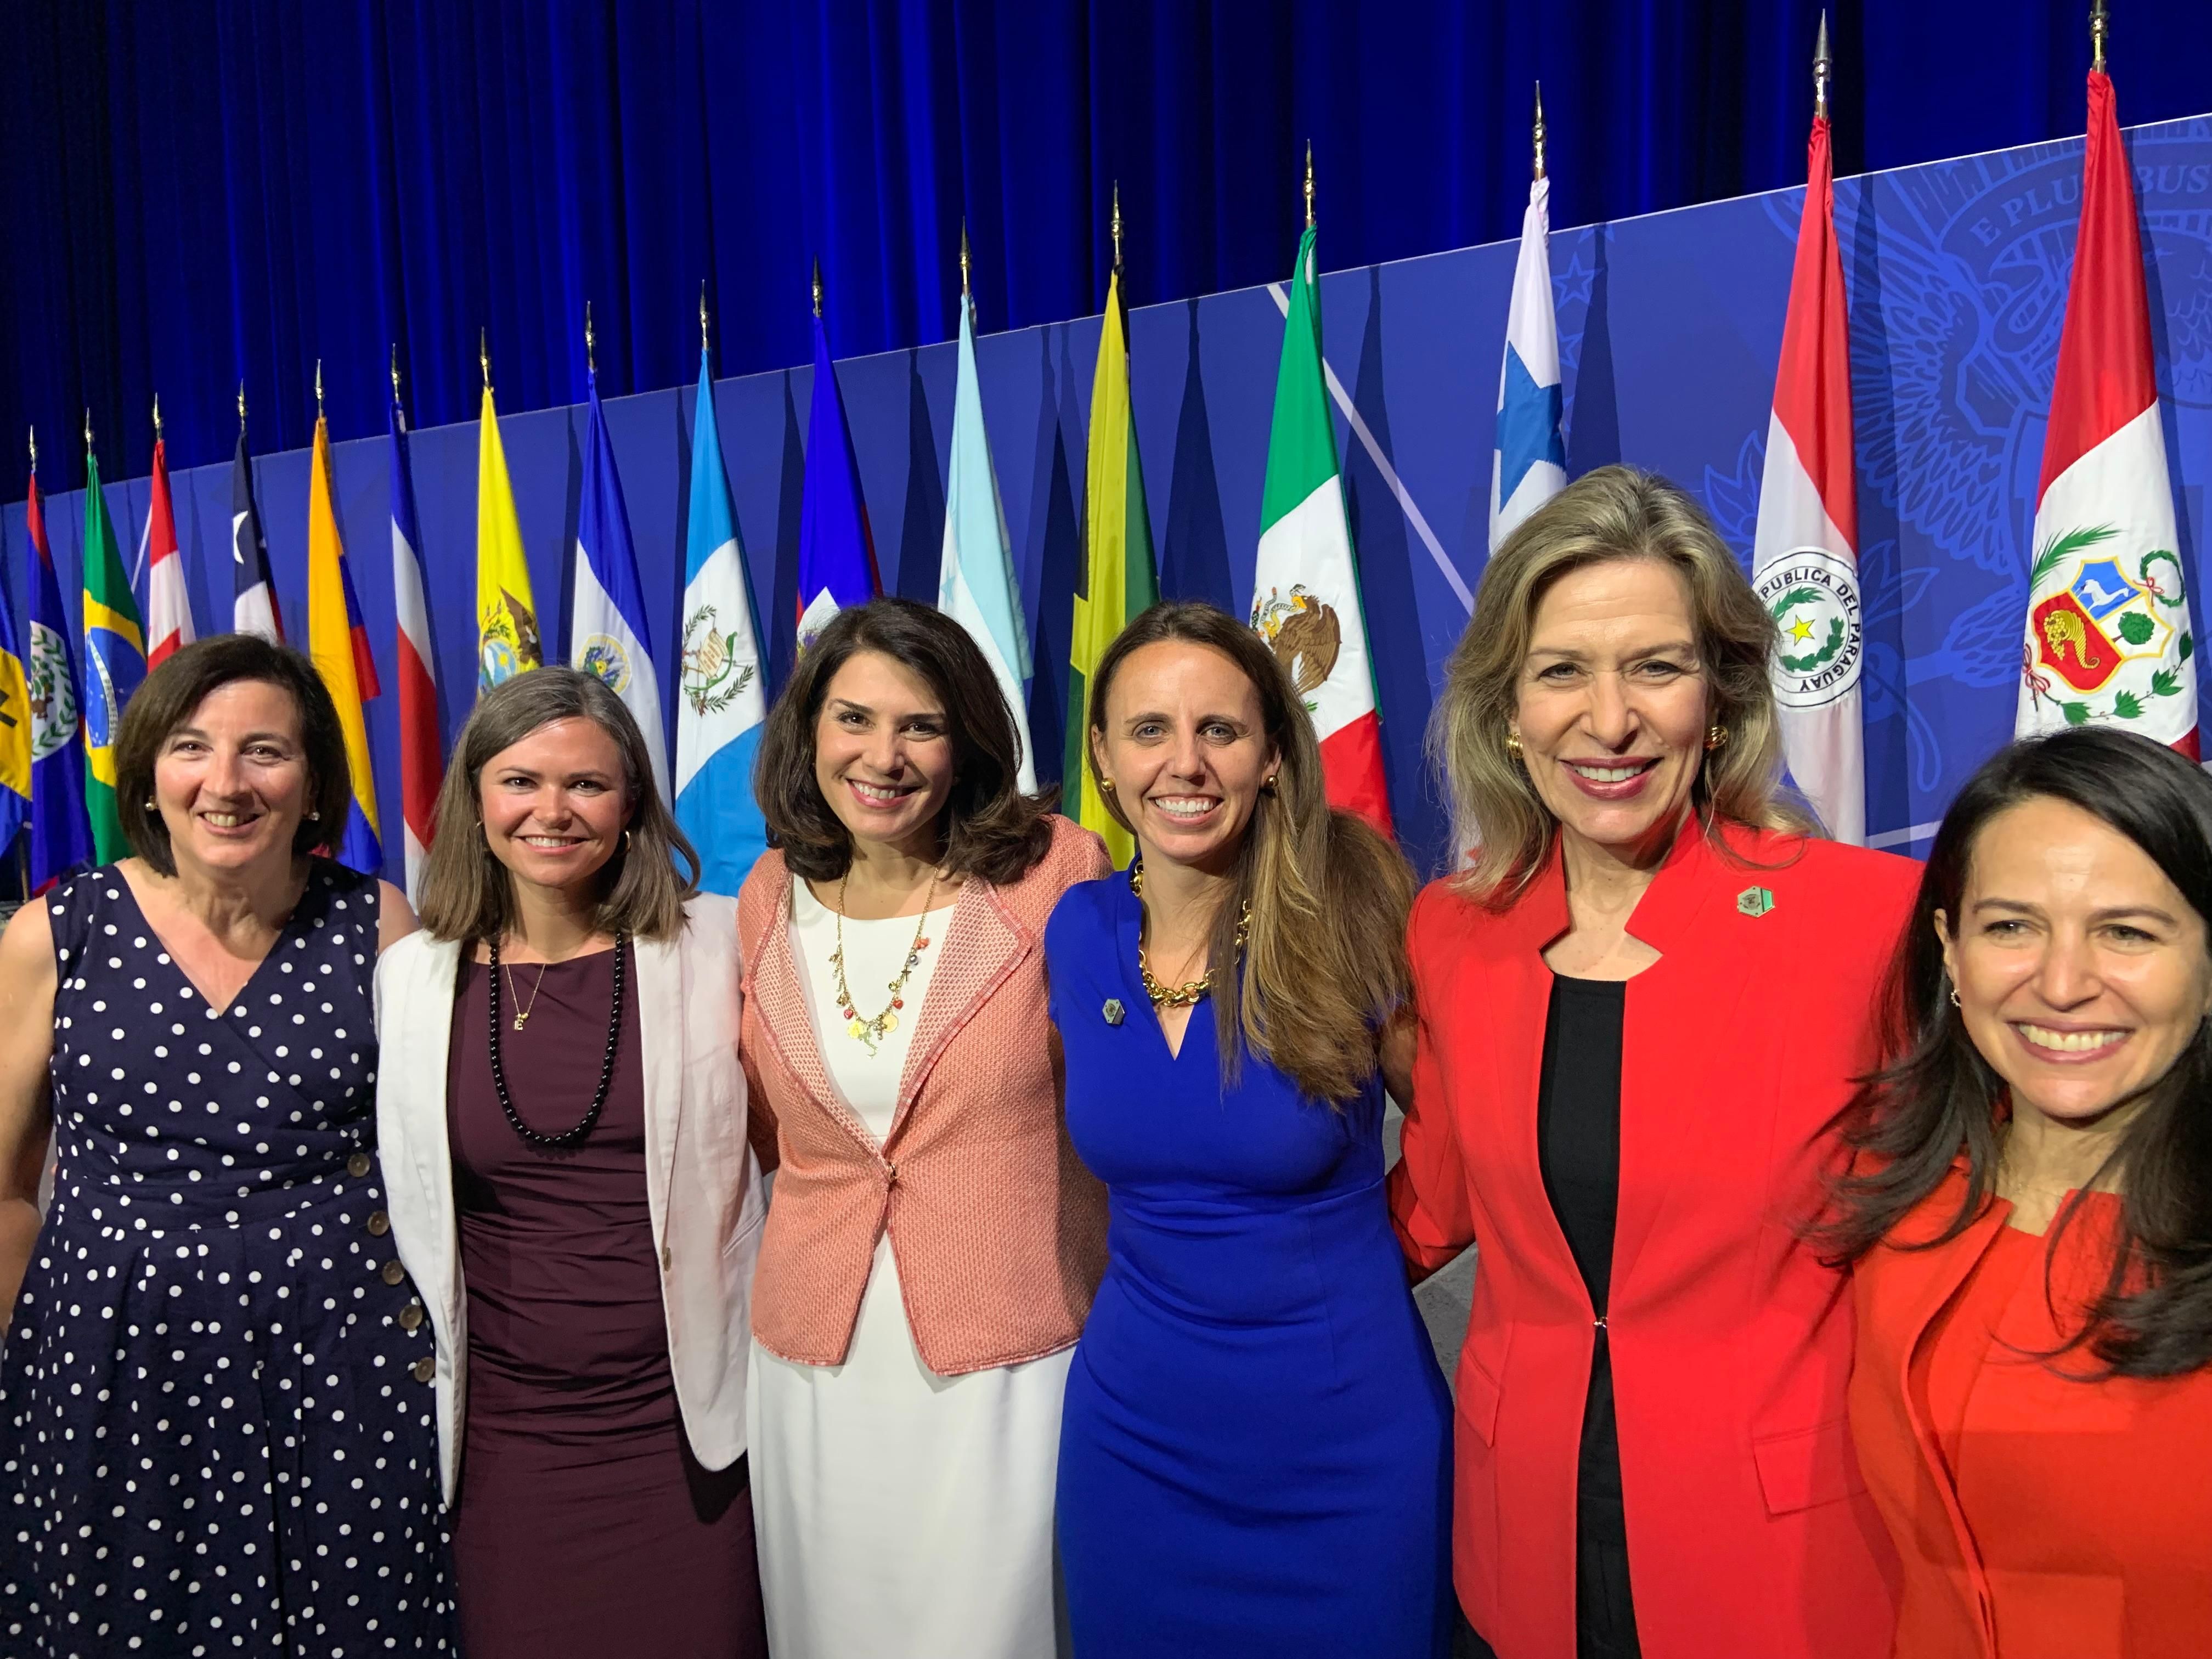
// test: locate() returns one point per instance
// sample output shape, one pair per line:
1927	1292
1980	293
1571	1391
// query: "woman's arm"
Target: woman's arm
27	980
395	917
1396	1056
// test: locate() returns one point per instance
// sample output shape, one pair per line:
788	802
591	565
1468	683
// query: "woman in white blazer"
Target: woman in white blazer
563	1122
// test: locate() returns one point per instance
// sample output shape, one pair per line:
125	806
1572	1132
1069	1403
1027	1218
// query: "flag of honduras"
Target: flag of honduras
607	634
1529	465
720	701
976	587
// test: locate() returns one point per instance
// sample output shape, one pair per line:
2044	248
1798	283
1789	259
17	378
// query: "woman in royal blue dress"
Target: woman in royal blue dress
1253	1455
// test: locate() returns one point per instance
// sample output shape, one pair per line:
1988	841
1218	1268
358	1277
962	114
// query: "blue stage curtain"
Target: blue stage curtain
203	191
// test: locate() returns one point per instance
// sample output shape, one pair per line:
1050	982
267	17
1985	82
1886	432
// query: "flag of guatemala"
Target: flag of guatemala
1528	465
607	633
720	700
836	555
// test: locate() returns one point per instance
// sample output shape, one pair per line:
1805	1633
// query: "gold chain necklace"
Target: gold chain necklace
870	1032
1185	995
521	1009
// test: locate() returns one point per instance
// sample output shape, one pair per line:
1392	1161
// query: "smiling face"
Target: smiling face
1187	751
1612	708
884	753
231	782
2082	970
555	805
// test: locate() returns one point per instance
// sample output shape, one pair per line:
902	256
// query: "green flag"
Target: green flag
114	663
1119	578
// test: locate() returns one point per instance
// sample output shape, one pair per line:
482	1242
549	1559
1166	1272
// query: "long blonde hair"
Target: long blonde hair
1614	513
1325	958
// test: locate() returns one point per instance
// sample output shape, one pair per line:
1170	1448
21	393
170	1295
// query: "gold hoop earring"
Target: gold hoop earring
1714	737
1513	749
625	841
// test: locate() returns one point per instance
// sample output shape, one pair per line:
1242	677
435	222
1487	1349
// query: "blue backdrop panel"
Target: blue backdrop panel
1669	328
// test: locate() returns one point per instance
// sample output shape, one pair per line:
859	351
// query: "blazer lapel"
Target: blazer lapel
786	1022
981	945
661	1057
427	1029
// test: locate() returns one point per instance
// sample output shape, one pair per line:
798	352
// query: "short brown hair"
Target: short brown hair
467	893
171	696
993	831
1325	963
1614	513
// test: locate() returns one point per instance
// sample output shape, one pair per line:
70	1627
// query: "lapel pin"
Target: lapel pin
1112	1011
1754	902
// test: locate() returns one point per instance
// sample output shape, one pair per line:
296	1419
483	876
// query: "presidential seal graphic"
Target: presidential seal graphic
1819	641
606	657
2101	638
53	699
715	674
1304	635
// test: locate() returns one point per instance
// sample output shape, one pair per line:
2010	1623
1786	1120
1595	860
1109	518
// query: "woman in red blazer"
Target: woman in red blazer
2030	1214
1638	1006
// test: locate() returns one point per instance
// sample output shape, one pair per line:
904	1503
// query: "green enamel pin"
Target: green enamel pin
1754	902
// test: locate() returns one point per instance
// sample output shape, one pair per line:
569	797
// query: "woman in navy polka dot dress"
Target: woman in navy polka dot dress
216	1403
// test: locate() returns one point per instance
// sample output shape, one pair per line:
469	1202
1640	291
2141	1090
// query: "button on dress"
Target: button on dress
211	1437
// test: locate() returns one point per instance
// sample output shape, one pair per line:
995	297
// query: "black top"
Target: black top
1578	1150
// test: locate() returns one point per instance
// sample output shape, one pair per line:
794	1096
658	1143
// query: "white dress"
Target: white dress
901	1514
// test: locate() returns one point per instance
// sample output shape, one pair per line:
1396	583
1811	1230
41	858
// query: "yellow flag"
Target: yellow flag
331	645
508	641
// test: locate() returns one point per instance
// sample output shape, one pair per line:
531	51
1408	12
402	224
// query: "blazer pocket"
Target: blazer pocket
1804	1467
1478	1389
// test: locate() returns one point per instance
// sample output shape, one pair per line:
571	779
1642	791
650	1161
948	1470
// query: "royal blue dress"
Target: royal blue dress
1255	1454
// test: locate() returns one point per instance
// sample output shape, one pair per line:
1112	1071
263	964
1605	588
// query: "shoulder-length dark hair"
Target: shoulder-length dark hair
167	701
1325	959
1939	1098
993	832
467	893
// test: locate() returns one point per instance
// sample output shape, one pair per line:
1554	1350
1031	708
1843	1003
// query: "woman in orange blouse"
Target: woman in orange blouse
2030	1211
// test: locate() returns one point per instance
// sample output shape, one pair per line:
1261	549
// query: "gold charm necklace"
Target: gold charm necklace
870	1032
521	1011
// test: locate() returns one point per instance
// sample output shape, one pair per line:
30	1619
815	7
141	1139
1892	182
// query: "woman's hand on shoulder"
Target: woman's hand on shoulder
395	917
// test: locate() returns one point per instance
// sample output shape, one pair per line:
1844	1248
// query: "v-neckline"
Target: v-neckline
177	963
1131	941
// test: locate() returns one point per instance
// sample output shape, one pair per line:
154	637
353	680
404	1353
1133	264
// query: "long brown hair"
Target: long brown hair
991	830
1614	513
1325	960
467	893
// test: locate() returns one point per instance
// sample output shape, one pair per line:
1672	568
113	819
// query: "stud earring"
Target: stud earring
1106	784
1268	784
1714	737
1513	747
1955	1003
315	818
150	806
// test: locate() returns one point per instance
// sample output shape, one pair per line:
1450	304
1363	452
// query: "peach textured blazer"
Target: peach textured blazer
999	1232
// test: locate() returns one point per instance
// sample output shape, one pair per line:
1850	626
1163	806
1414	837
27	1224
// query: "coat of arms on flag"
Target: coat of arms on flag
1814	597
2102	633
1304	634
53	698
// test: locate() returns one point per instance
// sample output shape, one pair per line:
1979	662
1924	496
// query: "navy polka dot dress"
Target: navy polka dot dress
216	1417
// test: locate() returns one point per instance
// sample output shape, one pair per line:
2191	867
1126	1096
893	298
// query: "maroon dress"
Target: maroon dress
584	1526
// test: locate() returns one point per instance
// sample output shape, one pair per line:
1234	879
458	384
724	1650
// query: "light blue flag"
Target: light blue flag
1528	465
720	700
836	553
977	588
607	632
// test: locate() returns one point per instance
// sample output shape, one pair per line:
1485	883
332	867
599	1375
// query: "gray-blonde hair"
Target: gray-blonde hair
467	893
1614	513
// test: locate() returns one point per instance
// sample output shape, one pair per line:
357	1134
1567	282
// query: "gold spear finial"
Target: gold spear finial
1822	63
241	405
702	315
319	388
591	363
963	259
88	428
157	417
1310	184
483	353
2101	24
1540	130
1117	224
818	285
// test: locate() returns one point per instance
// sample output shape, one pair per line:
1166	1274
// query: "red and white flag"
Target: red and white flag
421	757
2108	632
168	609
1805	552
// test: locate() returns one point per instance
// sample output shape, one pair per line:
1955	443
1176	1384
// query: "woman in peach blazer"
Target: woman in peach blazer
933	1243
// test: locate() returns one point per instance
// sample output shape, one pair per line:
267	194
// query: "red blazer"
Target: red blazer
1750	1535
2078	1525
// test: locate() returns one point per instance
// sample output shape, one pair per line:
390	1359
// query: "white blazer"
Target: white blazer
702	1182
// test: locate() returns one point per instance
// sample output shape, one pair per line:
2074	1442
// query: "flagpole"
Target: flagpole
2101	24
1822	63
1308	186
1539	171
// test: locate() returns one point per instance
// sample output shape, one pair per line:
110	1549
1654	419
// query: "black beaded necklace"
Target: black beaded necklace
566	1137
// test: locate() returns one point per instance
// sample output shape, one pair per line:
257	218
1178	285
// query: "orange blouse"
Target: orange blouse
2039	1513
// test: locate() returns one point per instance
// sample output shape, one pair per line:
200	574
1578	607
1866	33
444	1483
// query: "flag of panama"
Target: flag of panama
2107	635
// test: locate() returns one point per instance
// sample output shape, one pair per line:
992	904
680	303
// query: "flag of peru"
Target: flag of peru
168	610
421	757
2107	635
1805	551
1305	590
